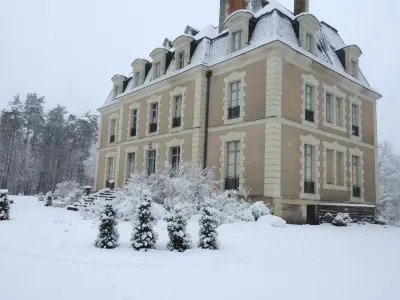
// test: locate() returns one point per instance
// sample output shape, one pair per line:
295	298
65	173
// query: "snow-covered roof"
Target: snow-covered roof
274	22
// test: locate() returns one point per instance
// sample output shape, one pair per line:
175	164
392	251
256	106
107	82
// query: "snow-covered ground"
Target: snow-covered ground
47	253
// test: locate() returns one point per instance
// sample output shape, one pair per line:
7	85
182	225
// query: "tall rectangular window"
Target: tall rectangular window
330	177
355	120
177	107
339	169
355	171
130	166
175	156
309	184
151	162
329	108
235	94
233	159
181	60
309	113
157	70
339	110
110	168
113	130
137	79
237	41
353	68
308	42
133	122
154	113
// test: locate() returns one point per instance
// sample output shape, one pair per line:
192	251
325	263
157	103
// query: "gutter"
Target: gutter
208	76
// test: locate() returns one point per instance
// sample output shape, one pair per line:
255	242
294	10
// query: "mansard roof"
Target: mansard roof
274	22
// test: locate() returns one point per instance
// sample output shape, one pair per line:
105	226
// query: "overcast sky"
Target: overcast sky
68	50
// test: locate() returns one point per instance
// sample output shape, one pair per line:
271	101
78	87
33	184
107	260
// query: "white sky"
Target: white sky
68	50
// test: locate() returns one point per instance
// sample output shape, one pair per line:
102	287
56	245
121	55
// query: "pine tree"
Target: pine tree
49	199
143	237
4	206
208	233
179	239
108	233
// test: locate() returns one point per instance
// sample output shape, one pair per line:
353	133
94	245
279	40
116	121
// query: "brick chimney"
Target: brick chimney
226	7
300	6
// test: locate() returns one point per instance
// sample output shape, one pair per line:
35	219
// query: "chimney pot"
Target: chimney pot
227	7
301	6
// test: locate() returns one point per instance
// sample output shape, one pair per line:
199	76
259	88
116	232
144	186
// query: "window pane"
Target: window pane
308	162
178	101
329	167
113	126
339	168
339	117
355	171
354	111
309	97
328	108
233	159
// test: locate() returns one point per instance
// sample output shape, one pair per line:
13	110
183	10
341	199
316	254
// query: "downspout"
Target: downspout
208	76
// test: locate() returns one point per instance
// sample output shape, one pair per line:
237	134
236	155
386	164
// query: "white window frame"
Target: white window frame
237	40
180	60
235	76
172	144
178	91
354	100
146	148
137	80
157	70
153	159
335	94
360	154
155	99
309	40
177	156
115	170
112	117
315	143
133	106
128	164
336	148
236	162
310	80
235	88
131	149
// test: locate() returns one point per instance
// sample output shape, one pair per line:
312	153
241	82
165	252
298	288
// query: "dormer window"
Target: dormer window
181	60
349	57
157	70
140	68
237	40
184	46
137	79
116	91
309	42
118	83
353	68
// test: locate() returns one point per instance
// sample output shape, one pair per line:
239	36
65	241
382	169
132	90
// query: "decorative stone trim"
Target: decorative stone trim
231	137
199	102
197	147
235	76
360	154
336	93
131	149
309	79
312	141
335	147
178	91
153	99
147	148
111	117
355	100
133	106
171	144
272	163
107	156
273	107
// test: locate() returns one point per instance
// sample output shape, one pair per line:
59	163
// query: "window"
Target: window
233	164
137	79
353	68
355	120
176	121
329	108
116	90
153	117
175	156
309	105
113	128
339	169
151	162
339	110
330	176
234	109
309	184
181	59
157	70
134	122
356	176
237	41
110	168
308	42
130	166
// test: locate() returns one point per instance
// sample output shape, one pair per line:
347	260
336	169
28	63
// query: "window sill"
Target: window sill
130	138
152	133
311	124
356	137
333	126
175	129
335	187
357	199
305	196
233	121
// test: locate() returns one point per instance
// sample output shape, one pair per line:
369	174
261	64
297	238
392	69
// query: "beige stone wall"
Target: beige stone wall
291	176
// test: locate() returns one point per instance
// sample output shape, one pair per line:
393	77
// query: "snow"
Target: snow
273	4
272	220
334	38
3	191
48	253
209	31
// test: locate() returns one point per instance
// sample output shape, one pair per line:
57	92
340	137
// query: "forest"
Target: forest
39	149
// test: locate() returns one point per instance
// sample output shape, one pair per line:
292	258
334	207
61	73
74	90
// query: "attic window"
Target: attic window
236	41
137	79
353	68
309	42
116	91
181	60
157	70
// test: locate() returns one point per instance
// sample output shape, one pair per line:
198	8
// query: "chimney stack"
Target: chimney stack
301	6
226	7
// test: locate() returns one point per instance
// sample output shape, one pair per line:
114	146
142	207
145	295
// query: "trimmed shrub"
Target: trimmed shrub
108	232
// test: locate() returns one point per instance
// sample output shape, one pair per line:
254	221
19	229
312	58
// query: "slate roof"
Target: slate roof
273	22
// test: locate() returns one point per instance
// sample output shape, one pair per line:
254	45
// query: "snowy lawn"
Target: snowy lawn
48	254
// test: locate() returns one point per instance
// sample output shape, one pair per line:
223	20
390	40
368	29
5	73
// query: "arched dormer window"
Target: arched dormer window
350	56
183	45
161	58
118	84
140	68
238	25
308	25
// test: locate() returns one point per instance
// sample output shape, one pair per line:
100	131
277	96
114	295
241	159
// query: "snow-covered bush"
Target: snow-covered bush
40	197
67	193
179	238
259	209
274	221
341	220
49	199
4	206
208	229
108	233
143	236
